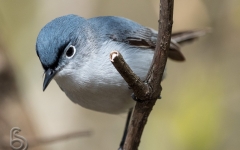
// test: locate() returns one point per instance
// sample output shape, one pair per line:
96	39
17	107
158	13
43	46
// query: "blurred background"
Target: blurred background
200	103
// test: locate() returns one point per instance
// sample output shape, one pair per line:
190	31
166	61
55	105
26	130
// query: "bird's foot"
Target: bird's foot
139	100
135	98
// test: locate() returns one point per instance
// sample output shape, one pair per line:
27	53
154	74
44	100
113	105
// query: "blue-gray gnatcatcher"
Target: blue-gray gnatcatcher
75	53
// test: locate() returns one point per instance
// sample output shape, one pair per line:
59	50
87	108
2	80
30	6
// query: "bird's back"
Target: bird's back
123	30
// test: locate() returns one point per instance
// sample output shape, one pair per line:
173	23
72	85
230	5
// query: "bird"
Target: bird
74	51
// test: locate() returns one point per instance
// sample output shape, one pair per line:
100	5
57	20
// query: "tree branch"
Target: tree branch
139	88
148	92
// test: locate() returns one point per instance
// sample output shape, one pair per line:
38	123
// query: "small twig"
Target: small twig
139	88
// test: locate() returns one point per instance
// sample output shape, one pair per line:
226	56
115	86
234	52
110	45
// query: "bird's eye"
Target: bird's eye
70	52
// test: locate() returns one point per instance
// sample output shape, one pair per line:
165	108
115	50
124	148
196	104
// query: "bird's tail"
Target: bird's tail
180	38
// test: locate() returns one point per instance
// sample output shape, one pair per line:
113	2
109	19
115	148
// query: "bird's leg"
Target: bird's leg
125	129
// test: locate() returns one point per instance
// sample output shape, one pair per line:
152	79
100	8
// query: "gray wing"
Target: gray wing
124	30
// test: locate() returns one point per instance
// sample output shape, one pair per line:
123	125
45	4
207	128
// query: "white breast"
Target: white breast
97	85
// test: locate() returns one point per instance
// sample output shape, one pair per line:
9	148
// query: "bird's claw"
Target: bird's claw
139	100
135	98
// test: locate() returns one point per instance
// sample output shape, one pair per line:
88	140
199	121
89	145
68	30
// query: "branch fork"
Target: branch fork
149	90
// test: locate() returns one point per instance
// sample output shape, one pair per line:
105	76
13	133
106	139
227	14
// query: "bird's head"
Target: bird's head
59	43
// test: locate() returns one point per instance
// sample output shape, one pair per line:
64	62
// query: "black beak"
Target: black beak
49	74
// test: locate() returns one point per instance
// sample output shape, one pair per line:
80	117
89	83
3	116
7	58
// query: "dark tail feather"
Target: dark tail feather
180	38
188	36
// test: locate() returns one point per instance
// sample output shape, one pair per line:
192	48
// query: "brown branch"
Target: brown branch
139	88
150	93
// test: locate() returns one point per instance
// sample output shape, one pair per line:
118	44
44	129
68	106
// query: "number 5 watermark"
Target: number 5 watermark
15	138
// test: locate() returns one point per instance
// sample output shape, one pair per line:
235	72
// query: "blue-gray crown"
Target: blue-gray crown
55	36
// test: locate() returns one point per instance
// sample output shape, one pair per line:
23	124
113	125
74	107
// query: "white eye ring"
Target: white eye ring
70	52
